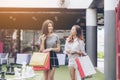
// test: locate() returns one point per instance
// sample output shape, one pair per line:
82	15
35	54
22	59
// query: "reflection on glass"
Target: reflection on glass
25	41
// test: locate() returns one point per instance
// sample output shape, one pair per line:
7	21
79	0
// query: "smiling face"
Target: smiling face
50	28
47	27
73	31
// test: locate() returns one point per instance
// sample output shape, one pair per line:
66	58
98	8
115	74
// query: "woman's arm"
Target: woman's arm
67	50
57	49
42	44
82	48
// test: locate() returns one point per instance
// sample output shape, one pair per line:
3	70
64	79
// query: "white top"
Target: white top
75	46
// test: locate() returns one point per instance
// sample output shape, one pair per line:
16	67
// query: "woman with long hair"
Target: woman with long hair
74	47
49	42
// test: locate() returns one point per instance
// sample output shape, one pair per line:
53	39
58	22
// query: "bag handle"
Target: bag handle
82	55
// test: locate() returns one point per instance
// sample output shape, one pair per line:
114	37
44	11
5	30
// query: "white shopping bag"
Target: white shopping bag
85	66
78	77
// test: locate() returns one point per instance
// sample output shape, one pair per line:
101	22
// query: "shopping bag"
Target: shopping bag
46	67
85	66
39	59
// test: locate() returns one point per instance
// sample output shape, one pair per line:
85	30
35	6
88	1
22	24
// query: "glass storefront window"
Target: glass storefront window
25	41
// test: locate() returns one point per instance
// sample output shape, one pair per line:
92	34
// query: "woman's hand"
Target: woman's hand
43	37
68	51
48	50
42	45
80	53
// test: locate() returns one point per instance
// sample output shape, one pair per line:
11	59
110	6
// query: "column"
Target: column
109	41
91	35
19	40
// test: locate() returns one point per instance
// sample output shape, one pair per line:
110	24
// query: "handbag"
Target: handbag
85	66
40	61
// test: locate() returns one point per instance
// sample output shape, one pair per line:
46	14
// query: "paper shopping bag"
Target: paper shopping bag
39	59
85	66
46	67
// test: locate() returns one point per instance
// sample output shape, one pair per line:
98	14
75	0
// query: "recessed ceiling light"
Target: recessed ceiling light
11	17
34	18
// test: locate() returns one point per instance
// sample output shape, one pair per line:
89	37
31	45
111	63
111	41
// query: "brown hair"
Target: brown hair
79	33
45	26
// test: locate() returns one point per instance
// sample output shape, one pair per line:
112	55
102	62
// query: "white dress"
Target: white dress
75	46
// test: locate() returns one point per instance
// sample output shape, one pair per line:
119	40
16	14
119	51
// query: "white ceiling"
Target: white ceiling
44	3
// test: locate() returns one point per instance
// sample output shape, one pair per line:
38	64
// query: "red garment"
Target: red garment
1	47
